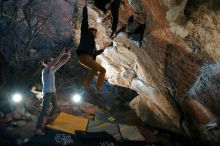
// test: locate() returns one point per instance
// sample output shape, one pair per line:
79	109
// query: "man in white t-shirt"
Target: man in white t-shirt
49	89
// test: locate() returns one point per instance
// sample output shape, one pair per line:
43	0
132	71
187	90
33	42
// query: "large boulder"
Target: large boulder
164	65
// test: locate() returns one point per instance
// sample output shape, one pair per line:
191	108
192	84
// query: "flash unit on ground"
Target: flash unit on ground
76	98
16	97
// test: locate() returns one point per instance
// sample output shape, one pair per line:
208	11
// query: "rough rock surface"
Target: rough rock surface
168	51
167	65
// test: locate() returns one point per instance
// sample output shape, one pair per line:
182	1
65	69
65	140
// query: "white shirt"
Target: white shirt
48	80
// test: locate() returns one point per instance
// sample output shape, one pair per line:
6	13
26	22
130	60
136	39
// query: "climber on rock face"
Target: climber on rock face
87	52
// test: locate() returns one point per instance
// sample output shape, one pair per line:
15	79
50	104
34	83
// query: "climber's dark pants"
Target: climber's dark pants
45	109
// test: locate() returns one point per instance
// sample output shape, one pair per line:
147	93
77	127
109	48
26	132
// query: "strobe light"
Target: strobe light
76	98
17	98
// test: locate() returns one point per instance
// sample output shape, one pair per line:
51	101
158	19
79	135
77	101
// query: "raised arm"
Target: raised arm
99	52
53	62
85	25
102	50
65	57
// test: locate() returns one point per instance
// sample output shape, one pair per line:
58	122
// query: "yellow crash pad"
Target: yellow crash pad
69	123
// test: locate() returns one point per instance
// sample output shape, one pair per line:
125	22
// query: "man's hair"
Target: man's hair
92	29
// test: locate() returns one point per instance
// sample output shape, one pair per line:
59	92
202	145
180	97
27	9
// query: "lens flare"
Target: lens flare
76	98
17	97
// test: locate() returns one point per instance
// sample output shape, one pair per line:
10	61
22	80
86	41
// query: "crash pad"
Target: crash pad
131	133
108	118
100	126
69	123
